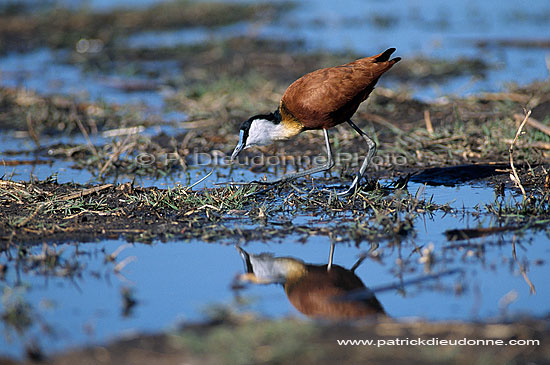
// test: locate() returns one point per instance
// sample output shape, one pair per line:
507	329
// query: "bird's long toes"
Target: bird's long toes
347	193
265	182
259	192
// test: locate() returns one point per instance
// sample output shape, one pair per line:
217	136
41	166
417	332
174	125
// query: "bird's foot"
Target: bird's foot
265	182
257	182
259	192
356	187
233	183
352	190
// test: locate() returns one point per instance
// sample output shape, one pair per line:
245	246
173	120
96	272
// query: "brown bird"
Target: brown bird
321	99
315	290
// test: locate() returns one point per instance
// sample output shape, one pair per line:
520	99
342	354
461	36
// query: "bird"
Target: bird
319	100
318	291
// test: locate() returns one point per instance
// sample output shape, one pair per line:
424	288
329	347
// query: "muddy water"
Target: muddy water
178	281
502	33
46	72
430	28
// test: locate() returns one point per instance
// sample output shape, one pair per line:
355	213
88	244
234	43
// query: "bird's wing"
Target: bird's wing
320	293
322	97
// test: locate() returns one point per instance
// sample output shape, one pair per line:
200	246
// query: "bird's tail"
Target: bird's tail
385	56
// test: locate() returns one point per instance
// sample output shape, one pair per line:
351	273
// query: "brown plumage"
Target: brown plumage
330	96
321	99
320	293
315	290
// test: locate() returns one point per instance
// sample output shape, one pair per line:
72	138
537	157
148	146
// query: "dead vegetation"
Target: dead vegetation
33	115
58	27
461	131
47	211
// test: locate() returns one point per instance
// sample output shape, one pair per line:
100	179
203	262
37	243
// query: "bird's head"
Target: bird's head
267	269
259	130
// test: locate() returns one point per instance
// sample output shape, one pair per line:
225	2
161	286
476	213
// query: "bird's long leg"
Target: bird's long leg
296	175
370	153
359	262
330	256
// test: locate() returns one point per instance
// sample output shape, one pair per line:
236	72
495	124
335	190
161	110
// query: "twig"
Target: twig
11	184
30	217
32	131
382	121
180	159
534	144
123	131
203	123
469	233
87	137
522	269
100	213
428	120
535	124
362	294
232	183
114	156
442	140
24	162
84	192
201	180
515	174
518	98
121	265
116	252
200	208
128	230
297	189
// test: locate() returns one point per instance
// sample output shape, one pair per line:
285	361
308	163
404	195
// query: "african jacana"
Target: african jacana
314	290
321	99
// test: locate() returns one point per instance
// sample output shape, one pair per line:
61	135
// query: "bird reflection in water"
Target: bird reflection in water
318	291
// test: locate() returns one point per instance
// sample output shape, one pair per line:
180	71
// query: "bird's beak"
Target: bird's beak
246	259
239	147
251	278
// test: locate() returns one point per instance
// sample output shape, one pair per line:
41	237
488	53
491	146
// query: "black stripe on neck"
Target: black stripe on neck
276	116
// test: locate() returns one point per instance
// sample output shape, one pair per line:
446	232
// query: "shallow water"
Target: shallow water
178	281
46	72
430	28
195	35
42	165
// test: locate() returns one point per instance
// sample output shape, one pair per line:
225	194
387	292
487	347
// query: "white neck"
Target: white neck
269	269
263	132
